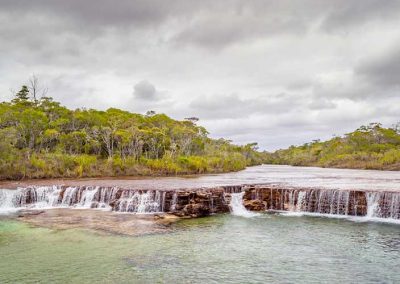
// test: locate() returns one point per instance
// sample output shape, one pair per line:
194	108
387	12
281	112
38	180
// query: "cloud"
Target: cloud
322	103
231	106
144	90
383	71
278	72
344	14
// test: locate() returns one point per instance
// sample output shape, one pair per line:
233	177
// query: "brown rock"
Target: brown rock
254	205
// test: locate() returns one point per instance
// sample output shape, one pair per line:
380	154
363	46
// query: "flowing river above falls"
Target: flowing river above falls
93	230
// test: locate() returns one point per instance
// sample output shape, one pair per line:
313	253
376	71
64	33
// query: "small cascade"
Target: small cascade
70	196
7	201
373	204
237	208
139	201
45	197
106	195
383	205
87	197
301	202
173	202
370	204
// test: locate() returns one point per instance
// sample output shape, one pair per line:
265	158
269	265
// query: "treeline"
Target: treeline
39	138
368	147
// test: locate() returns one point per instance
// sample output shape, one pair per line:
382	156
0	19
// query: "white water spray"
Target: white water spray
237	207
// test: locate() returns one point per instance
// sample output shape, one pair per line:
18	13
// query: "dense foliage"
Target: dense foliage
40	138
369	147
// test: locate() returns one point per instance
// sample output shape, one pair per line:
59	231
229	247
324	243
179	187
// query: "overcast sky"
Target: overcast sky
276	72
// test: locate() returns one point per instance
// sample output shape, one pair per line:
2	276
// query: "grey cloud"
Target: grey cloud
231	106
321	103
299	85
101	12
210	24
300	66
144	90
224	24
355	13
383	71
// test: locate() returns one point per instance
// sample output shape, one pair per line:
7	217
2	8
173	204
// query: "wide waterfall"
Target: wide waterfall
239	200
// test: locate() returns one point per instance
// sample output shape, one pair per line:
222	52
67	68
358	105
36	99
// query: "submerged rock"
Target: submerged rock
24	213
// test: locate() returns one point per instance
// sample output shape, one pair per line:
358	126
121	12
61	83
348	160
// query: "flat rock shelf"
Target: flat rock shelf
368	194
198	202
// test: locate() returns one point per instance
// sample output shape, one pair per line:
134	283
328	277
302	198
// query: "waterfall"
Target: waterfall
301	201
140	202
237	207
87	197
70	196
7	198
135	201
332	202
373	205
370	205
173	202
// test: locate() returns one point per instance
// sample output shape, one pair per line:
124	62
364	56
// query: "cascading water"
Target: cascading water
7	201
173	202
237	207
87	197
134	201
372	205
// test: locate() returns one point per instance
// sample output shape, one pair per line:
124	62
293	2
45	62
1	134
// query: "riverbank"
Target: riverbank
368	147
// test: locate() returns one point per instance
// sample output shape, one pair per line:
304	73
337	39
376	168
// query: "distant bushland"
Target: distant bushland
40	138
368	147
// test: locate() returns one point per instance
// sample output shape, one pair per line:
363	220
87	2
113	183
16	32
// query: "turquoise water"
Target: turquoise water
216	249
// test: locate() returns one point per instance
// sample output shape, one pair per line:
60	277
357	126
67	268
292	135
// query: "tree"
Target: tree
35	88
193	119
41	138
22	96
150	113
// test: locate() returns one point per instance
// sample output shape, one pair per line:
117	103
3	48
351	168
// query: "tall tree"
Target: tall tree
35	88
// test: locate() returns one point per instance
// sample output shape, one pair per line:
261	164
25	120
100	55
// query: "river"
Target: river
86	246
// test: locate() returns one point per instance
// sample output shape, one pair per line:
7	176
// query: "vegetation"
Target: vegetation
369	147
39	138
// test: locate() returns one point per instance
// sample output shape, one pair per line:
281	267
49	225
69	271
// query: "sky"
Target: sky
279	73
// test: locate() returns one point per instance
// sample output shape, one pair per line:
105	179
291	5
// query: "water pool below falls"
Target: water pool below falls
217	249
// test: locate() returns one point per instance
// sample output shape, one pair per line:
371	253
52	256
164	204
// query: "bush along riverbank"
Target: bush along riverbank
368	147
39	138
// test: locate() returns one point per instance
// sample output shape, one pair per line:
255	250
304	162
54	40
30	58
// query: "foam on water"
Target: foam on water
237	207
7	201
48	197
360	219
